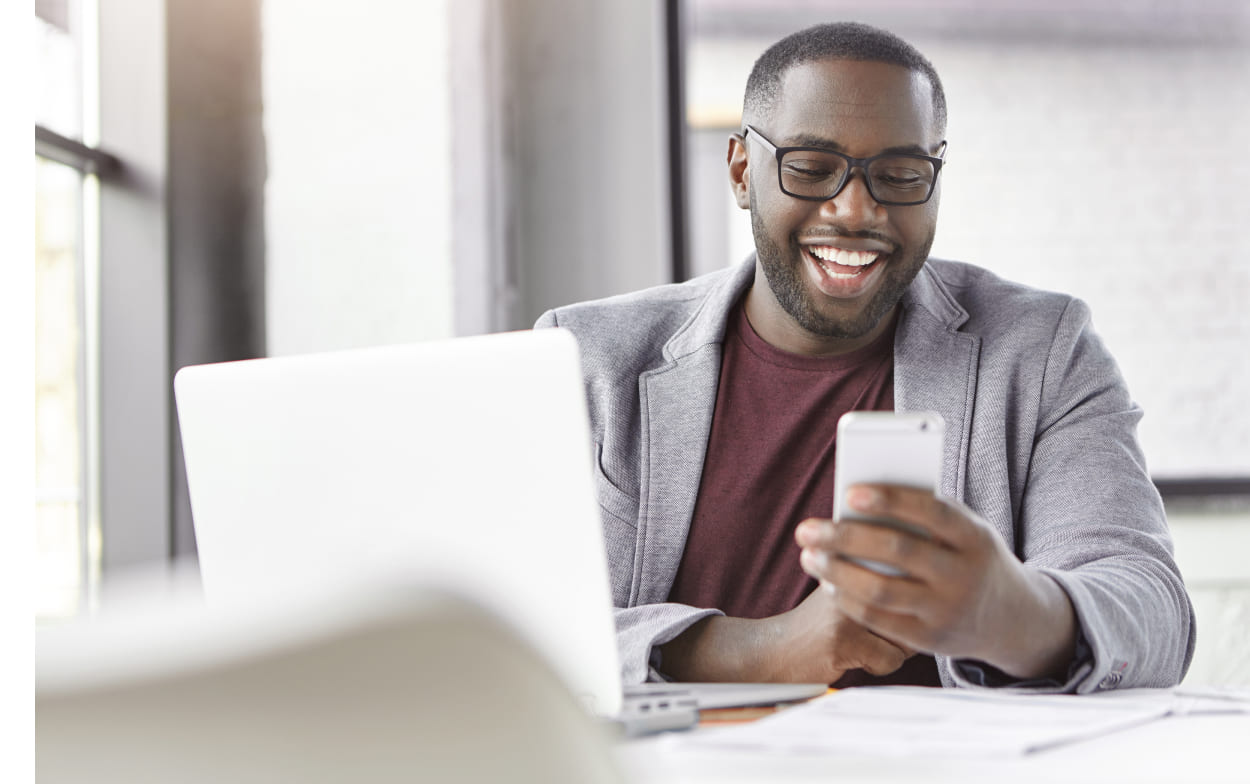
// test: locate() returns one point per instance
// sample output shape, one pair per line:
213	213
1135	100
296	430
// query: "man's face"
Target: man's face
807	302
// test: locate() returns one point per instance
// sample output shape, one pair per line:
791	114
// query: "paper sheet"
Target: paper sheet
916	721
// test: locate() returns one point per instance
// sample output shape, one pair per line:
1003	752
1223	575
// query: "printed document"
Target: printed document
917	721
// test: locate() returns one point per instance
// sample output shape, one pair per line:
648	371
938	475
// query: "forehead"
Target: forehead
859	106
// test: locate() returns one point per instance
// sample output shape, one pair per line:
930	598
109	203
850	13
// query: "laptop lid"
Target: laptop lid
465	462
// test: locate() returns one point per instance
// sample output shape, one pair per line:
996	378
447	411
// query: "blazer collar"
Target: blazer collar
927	292
708	324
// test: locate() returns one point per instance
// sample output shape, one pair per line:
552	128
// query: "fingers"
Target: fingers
943	519
884	658
888	551
859	647
815	641
904	596
908	632
898	606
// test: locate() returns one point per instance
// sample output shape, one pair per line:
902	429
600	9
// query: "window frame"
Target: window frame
126	487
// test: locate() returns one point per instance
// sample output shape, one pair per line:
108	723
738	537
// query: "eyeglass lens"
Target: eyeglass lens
900	179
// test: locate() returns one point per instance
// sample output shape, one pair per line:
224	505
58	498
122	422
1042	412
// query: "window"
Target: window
66	534
150	155
62	509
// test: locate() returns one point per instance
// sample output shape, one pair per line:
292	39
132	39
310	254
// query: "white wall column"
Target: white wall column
358	208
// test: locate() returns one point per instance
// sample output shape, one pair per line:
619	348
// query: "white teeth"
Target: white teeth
847	258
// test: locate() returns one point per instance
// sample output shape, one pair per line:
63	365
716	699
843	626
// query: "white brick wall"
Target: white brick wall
1121	175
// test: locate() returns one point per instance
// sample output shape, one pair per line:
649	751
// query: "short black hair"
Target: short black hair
834	41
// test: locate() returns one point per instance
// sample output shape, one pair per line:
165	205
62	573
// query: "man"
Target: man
1044	562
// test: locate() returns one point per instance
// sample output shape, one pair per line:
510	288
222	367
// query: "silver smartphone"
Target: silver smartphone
886	447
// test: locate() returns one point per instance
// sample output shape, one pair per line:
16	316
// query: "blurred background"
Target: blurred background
239	178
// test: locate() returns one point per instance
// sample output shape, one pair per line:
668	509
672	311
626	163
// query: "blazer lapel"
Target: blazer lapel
678	403
935	369
678	400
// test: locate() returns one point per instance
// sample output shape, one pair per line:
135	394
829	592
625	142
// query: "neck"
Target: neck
779	329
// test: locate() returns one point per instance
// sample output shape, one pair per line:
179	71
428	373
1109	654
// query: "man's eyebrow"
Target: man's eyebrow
829	144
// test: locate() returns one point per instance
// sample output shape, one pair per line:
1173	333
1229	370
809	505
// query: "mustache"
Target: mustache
835	233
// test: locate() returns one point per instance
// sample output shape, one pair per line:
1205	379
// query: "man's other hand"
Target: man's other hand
813	643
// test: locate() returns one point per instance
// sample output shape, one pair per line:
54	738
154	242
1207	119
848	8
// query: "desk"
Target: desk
1173	750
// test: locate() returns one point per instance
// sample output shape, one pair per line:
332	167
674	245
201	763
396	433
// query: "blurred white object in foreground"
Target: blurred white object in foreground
380	684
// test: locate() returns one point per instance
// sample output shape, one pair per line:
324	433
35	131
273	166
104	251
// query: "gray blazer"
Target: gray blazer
1041	441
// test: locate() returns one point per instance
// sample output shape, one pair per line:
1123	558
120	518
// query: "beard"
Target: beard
783	270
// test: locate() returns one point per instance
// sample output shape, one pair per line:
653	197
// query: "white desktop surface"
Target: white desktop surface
1175	750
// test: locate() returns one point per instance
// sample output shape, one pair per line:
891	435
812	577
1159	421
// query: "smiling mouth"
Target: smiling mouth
841	263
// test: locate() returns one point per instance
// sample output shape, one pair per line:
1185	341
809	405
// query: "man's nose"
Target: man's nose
854	204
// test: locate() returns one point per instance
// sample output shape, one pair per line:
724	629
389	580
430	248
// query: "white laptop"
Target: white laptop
465	463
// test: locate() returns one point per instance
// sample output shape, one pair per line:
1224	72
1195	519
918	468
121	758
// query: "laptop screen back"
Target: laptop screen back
465	463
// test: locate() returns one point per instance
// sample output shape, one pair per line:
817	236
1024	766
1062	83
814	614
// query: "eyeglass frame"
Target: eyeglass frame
852	164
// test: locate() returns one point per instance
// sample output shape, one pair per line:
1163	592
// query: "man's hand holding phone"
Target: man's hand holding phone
930	574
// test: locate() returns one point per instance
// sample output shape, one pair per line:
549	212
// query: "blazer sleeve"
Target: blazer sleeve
641	630
1092	520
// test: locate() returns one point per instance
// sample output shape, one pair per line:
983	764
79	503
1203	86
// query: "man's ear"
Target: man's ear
739	171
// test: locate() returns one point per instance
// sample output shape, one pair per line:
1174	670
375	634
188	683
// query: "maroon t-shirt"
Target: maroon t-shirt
769	466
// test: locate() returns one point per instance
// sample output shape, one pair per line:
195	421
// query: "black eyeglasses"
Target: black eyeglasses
819	174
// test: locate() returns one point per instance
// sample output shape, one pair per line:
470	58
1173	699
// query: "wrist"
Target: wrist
1039	640
716	649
